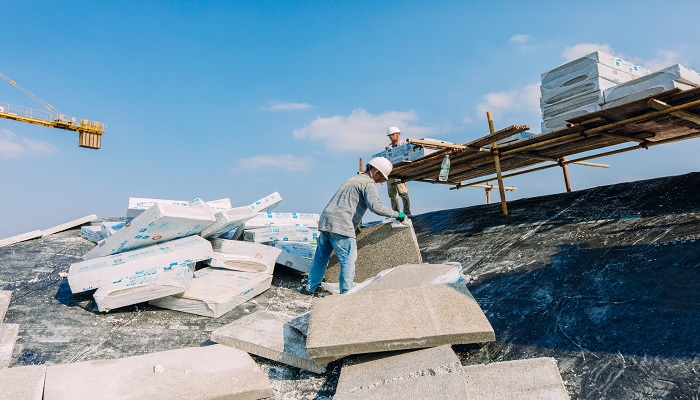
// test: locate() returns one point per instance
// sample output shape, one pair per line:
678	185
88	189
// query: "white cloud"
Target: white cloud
518	38
582	49
286	162
526	98
288	107
14	146
361	131
666	59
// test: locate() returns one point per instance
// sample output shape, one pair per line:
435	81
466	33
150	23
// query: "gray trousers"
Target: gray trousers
396	188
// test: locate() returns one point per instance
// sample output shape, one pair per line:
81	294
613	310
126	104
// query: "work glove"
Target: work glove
401	217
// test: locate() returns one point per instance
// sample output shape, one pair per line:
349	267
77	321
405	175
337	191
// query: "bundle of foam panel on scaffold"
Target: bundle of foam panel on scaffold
158	224
405	152
576	88
138	205
113	269
243	256
215	291
675	76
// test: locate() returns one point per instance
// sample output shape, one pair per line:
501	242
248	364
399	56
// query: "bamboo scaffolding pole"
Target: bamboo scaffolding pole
497	162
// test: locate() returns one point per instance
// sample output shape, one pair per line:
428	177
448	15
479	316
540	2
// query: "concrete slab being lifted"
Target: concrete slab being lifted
379	247
210	372
387	320
536	378
22	383
434	373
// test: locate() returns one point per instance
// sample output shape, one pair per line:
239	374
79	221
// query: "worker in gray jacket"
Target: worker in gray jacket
341	218
395	187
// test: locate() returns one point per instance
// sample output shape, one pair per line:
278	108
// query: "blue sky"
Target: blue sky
215	99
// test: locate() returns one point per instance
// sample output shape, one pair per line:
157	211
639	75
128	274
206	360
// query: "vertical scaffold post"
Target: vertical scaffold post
488	192
362	165
565	168
497	161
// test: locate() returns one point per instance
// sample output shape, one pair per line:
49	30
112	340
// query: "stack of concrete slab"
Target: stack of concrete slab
675	76
405	152
577	87
209	372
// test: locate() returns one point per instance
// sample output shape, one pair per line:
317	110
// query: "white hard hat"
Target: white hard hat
383	165
392	129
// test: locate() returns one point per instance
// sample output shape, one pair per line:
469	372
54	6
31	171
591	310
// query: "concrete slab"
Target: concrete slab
536	378
434	373
140	289
68	225
22	383
379	247
388	320
210	372
158	224
8	337
20	238
214	291
103	271
268	334
5	297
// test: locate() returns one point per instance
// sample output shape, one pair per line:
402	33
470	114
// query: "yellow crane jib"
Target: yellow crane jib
90	132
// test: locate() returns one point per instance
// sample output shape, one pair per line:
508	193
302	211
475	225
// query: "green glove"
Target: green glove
401	217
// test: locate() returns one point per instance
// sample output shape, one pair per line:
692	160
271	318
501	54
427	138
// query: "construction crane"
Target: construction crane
90	131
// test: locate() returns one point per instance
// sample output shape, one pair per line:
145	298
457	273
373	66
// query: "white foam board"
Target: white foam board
158	224
137	205
143	288
68	225
108	228
267	219
228	220
92	233
272	234
243	256
591	102
267	203
665	79
596	70
214	291
597	57
590	86
649	91
20	238
95	273
295	262
301	249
